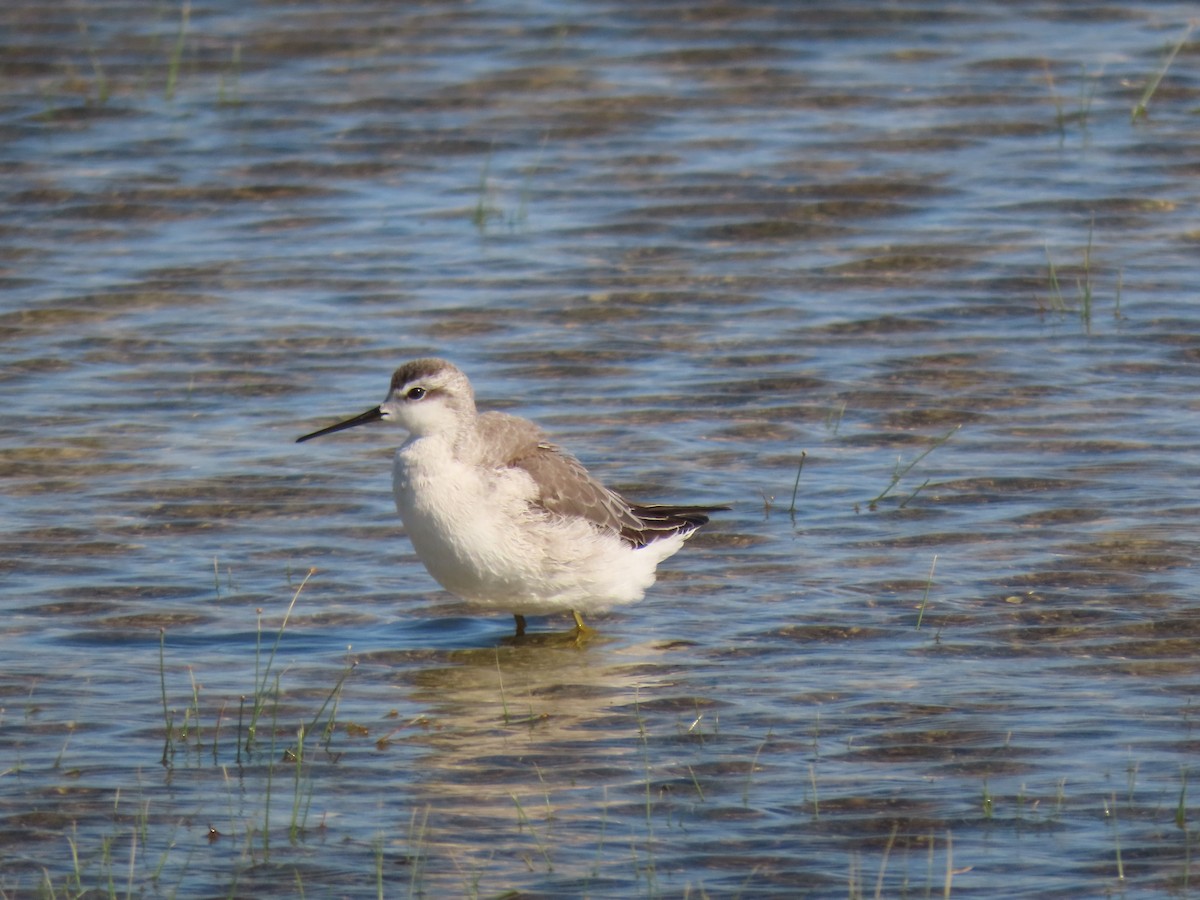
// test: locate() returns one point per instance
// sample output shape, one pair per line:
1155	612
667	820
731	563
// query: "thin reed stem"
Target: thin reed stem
1141	107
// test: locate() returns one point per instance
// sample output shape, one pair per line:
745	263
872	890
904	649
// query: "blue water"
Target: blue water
693	243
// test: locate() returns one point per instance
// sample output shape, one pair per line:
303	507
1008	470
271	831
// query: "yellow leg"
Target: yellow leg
582	632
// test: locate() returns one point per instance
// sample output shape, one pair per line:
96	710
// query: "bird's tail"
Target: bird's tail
662	521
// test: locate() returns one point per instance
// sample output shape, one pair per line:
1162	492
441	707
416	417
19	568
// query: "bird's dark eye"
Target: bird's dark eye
415	393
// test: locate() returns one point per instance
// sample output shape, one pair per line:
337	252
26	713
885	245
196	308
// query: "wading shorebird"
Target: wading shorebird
504	518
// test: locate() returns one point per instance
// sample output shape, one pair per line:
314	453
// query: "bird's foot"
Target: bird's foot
579	635
582	631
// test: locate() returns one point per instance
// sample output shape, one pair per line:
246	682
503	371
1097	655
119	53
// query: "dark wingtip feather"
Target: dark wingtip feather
658	522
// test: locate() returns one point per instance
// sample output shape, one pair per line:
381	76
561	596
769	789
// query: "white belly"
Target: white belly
479	536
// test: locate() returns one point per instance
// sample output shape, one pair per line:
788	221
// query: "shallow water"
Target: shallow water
923	244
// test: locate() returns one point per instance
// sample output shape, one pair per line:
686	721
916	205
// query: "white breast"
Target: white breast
477	533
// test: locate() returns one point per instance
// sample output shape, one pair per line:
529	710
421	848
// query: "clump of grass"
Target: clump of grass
1140	109
251	708
1057	303
1085	290
1088	85
523	822
900	471
331	703
131	858
485	209
488	205
262	675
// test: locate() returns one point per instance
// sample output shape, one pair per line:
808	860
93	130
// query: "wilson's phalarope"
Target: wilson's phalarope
507	520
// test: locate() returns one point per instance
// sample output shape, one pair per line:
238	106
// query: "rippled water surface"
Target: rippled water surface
927	245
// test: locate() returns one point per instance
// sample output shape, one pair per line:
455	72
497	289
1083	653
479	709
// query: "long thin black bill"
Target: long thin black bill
371	415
